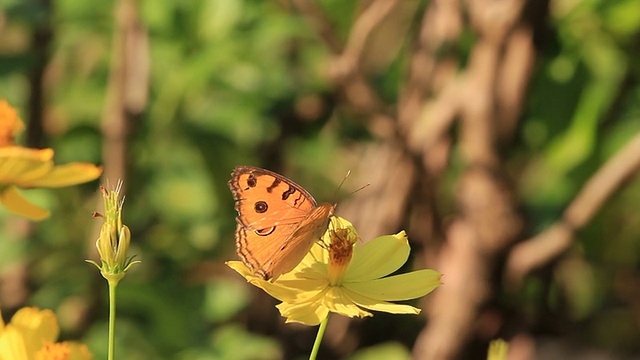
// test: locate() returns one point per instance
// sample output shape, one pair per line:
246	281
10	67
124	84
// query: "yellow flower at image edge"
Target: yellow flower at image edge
31	334
10	123
498	350
347	278
22	167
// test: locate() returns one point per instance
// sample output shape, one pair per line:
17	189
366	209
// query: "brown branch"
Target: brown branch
42	38
429	104
424	122
350	60
126	92
377	162
513	80
441	25
321	23
548	245
435	118
488	220
349	81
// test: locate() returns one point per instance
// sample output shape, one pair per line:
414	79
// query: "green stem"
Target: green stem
112	318
319	336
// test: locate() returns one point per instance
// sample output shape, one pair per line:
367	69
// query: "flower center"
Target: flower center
340	252
50	351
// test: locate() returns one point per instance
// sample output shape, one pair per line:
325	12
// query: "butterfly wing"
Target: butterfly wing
278	220
298	243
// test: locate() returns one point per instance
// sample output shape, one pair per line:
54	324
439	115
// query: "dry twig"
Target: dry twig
548	245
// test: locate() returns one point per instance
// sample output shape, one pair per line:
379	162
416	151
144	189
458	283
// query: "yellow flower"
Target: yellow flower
32	333
498	350
346	277
114	238
10	123
22	167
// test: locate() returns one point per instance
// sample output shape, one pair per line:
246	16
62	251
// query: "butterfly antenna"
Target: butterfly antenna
342	183
335	194
362	187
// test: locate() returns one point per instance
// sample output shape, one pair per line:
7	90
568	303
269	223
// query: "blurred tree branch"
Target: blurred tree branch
553	242
41	46
352	84
438	88
488	219
434	95
126	95
127	87
345	72
485	98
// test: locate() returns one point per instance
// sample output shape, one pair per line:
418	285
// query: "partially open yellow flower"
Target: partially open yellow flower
22	167
347	277
498	350
115	237
32	333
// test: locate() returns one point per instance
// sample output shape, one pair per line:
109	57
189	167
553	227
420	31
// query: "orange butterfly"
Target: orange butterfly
278	221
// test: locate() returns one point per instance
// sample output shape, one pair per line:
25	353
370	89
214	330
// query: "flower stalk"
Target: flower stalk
112	245
318	340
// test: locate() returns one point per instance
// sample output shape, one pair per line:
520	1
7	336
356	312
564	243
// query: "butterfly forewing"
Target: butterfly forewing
265	199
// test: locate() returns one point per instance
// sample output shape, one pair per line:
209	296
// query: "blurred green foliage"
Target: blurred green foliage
224	76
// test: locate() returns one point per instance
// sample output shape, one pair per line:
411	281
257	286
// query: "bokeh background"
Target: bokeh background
503	136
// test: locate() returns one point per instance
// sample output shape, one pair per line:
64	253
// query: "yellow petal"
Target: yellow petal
377	258
34	328
338	302
63	350
1	322
41	323
294	290
39	155
18	164
79	351
308	313
11	199
65	175
12	344
379	305
10	123
240	268
285	288
315	261
338	222
304	289
398	287
498	350
50	351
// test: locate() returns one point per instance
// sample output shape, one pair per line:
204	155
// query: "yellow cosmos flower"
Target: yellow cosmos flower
346	277
32	333
22	167
10	123
498	350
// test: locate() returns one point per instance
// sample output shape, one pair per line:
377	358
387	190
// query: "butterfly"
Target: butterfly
278	221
